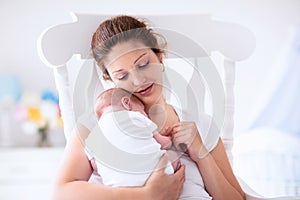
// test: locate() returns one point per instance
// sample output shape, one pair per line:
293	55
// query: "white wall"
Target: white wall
22	22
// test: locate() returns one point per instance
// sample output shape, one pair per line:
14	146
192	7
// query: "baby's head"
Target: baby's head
116	99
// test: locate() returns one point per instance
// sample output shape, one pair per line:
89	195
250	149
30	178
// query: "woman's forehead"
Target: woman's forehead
125	54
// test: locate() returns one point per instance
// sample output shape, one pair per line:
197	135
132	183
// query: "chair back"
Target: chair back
191	39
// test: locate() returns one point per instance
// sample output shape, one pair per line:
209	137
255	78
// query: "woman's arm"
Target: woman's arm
218	176
75	171
214	166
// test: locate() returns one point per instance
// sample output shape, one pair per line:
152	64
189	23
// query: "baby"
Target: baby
125	124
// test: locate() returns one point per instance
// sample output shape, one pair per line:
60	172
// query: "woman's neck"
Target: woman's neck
157	108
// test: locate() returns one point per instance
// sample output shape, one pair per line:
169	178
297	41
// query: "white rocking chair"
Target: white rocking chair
59	43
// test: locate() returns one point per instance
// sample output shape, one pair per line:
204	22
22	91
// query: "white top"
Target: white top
193	187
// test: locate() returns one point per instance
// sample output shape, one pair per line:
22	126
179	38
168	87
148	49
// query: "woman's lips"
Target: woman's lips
146	90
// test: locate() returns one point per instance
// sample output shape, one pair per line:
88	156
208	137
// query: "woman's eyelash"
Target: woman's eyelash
144	65
123	77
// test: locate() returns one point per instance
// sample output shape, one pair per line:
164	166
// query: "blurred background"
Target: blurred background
267	111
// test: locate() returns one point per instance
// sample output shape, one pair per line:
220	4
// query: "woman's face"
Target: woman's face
137	69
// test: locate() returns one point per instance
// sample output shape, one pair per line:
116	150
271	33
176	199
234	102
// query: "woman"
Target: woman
129	55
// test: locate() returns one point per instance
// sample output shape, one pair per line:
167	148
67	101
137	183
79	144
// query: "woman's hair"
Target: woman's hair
122	29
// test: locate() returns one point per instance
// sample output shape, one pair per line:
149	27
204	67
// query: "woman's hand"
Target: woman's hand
186	137
161	186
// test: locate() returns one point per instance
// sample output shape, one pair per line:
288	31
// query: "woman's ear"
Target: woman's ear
126	103
160	58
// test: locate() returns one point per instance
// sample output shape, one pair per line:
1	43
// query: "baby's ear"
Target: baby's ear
126	103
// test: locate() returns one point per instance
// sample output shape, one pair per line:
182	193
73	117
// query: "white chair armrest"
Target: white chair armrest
65	99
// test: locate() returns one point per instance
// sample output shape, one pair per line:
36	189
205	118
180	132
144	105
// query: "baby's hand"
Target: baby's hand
164	141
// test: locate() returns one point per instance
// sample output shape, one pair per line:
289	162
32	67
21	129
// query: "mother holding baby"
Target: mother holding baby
129	55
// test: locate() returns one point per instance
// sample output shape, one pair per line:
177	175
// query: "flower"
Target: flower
38	113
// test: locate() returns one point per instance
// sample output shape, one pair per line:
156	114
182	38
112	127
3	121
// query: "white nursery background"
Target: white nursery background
267	112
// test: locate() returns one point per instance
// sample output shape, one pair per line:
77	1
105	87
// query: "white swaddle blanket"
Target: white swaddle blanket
126	153
130	142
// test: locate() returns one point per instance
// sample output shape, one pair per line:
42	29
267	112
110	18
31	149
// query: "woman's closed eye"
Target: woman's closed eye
143	65
123	76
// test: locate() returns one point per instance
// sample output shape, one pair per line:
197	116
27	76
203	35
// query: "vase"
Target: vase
43	138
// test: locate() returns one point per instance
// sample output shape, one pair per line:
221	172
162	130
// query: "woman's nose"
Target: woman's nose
138	78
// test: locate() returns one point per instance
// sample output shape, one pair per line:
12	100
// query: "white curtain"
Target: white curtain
281	111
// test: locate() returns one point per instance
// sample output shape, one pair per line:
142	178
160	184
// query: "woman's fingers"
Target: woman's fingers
180	175
184	133
173	183
185	136
182	142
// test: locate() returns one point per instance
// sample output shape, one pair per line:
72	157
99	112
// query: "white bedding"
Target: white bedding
268	161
